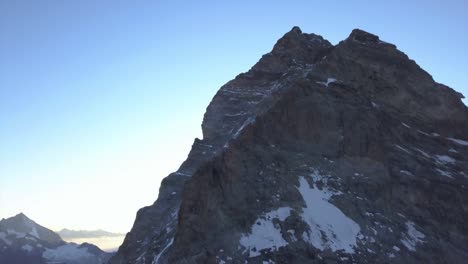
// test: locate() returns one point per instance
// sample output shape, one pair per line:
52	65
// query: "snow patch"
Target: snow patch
249	121
27	248
423	153
459	141
329	80
445	173
237	114
292	234
3	237
17	234
403	149
329	227
405	125
412	237
265	233
424	133
67	253
406	172
444	159
156	258
34	232
182	173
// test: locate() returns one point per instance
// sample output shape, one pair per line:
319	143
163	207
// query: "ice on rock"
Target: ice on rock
452	150
459	141
404	124
444	173
423	153
329	80
27	248
403	149
412	237
157	257
444	159
405	172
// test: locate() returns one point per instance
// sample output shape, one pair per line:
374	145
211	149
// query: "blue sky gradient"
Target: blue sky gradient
99	100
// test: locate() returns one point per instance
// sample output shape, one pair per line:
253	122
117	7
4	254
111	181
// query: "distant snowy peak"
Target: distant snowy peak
25	220
24	241
22	226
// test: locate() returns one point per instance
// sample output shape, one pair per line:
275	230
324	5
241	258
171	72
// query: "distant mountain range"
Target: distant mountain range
24	241
72	234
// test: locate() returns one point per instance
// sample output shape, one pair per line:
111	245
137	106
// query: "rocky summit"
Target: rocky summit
320	153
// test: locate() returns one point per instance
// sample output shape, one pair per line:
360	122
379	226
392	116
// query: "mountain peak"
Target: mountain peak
24	241
21	215
24	226
294	48
363	36
296	30
21	221
302	157
296	40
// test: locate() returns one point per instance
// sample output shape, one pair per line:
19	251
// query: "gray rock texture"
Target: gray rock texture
318	154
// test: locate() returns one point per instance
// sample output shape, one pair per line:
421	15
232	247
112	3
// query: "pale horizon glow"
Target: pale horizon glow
99	101
108	244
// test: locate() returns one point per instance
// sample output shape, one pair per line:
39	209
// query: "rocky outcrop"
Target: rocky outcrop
318	154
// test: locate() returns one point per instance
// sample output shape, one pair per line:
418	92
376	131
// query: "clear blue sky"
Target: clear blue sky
99	100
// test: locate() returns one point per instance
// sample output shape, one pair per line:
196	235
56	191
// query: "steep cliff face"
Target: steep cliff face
318	154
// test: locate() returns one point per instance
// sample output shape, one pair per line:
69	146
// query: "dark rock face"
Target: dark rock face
23	241
319	154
